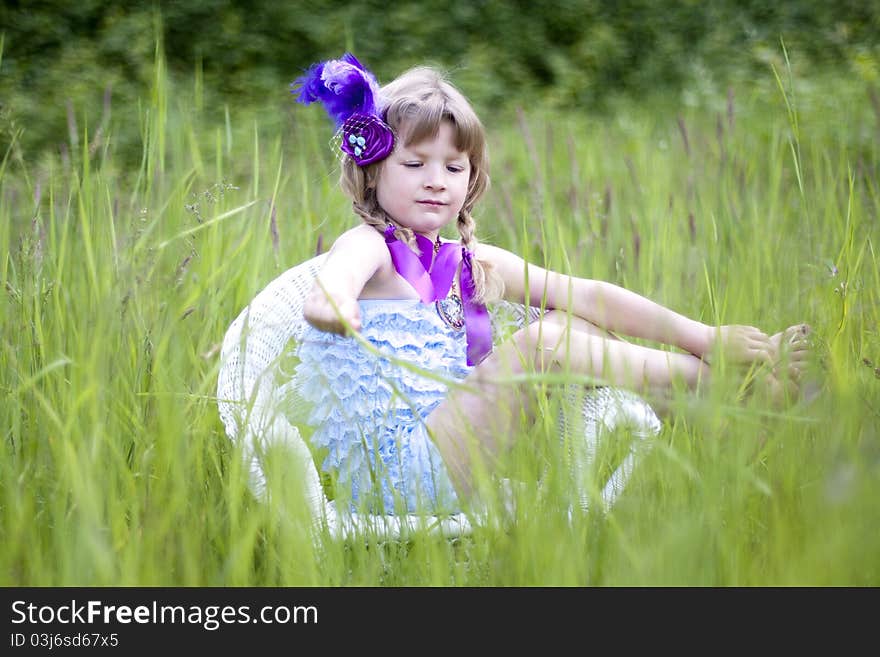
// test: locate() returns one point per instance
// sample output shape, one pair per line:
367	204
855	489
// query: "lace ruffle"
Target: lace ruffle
367	408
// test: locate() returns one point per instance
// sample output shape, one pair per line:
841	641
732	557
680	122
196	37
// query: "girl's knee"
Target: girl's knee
536	342
555	317
516	355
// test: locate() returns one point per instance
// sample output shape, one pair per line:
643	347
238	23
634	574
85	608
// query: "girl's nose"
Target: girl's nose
435	178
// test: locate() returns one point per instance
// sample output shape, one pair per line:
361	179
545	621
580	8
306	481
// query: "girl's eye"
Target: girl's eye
454	168
412	165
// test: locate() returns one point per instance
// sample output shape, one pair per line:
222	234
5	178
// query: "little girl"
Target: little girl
397	316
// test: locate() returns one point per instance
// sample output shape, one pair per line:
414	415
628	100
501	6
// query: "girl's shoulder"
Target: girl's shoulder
360	244
362	248
362	235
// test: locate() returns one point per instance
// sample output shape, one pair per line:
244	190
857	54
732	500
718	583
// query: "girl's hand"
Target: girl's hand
332	313
742	345
357	255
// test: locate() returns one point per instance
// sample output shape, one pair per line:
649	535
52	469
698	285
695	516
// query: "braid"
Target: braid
368	217
487	284
405	235
379	219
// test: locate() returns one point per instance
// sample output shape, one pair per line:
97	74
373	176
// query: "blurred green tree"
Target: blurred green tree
567	52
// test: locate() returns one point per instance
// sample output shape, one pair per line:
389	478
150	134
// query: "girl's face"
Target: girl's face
423	186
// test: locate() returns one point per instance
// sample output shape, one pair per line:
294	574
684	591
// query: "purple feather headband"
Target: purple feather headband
350	94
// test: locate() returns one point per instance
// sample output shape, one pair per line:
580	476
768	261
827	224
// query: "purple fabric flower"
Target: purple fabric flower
349	93
366	138
343	85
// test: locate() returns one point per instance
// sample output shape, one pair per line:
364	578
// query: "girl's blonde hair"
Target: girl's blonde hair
414	105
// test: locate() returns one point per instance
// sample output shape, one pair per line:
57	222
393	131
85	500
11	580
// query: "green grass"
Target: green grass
119	280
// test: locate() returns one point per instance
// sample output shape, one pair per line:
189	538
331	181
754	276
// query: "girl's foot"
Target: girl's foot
791	350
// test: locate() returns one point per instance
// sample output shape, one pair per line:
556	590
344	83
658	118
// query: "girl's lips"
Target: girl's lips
430	202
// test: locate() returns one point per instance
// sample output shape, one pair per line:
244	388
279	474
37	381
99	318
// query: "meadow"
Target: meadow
753	204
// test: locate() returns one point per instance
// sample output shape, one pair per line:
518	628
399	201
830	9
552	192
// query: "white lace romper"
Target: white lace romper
368	406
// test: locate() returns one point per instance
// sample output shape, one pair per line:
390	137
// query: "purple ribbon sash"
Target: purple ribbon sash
433	282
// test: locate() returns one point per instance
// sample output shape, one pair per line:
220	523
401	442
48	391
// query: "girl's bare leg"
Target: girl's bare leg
564	319
659	398
476	420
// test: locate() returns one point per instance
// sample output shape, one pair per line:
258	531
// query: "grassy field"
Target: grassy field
758	205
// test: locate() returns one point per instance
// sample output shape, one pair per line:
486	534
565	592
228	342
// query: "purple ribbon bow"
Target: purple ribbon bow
433	282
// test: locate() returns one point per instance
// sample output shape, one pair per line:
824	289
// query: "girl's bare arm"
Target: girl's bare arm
352	261
618	310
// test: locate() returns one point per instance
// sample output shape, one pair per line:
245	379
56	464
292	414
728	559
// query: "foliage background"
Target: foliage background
90	55
156	174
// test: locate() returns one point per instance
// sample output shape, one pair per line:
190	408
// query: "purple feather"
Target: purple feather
343	86
309	85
